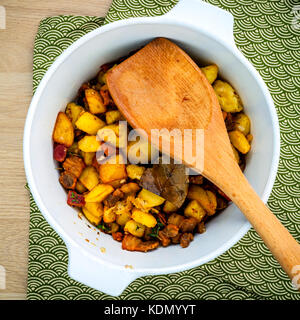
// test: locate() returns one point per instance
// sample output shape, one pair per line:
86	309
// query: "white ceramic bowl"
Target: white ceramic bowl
206	33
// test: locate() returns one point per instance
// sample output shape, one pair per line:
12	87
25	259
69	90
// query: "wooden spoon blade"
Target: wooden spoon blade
162	81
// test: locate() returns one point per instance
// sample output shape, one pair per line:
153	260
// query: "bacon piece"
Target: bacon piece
75	199
164	240
185	239
118	236
60	152
171	230
132	243
188	225
74	165
68	180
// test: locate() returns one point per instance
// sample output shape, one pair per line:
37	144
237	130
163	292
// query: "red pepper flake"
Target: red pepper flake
75	199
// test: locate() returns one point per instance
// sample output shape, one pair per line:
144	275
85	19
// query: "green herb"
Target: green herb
156	229
103	227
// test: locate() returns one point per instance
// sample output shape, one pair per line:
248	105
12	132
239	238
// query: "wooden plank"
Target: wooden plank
22	20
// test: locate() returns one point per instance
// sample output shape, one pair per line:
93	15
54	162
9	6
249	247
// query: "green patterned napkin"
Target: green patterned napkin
267	33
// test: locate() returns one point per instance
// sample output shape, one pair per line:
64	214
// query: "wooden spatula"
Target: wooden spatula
161	87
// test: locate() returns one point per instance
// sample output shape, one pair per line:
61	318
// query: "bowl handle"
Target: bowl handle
100	276
212	19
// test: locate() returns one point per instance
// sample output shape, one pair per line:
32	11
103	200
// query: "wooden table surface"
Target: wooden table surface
16	47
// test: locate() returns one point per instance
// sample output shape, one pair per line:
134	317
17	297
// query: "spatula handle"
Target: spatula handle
283	246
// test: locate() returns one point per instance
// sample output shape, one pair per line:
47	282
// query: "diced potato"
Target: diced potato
110	134
89	177
102	76
99	193
113	170
135	228
236	154
249	137
113	116
130	187
194	209
205	198
117	183
93	219
134	171
211	72
239	141
80	187
228	98
213	203
95	208
139	151
143	218
89	144
73	111
169	207
89	123
109	215
151	199
63	132
94	101
88	157
123	218
242	123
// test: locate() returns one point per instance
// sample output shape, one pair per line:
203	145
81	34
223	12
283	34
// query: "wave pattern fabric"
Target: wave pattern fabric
268	34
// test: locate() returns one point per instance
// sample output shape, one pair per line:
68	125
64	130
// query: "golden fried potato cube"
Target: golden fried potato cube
63	132
134	171
94	101
89	177
194	209
88	157
123	218
110	134
89	144
98	193
93	219
236	154
139	151
135	228
113	170
169	207
109	215
239	141
205	198
151	199
73	111
113	116
228	98
211	72
95	208
143	218
130	187
89	123
241	122
80	187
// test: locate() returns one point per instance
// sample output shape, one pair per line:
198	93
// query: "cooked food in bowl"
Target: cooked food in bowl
139	204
